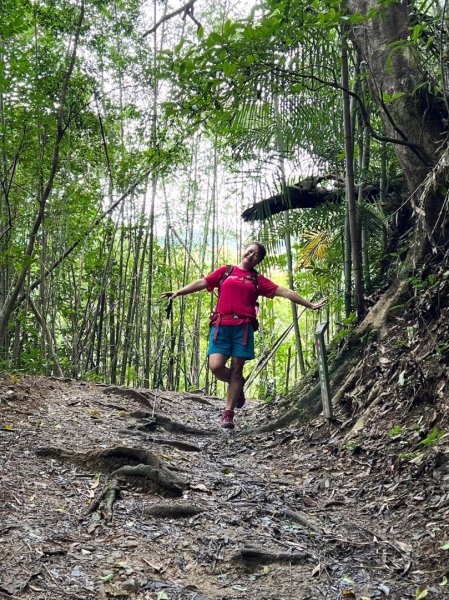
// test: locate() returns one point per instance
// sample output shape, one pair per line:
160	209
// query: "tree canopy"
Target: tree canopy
135	134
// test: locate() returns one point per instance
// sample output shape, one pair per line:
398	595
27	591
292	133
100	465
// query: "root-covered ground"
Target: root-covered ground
107	494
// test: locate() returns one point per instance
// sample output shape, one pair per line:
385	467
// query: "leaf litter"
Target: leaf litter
360	510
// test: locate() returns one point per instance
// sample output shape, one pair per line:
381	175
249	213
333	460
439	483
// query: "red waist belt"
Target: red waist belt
216	318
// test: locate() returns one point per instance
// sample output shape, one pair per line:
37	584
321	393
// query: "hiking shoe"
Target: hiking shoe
240	400
227	421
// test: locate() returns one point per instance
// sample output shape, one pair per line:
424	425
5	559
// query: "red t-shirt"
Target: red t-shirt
238	294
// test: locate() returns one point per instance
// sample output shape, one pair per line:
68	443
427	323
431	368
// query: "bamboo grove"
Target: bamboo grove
134	134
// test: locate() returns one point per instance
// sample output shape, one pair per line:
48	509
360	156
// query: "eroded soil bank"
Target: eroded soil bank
106	493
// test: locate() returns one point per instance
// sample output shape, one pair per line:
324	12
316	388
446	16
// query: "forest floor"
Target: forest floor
298	513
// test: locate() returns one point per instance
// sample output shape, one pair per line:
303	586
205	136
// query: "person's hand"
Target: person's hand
318	305
169	295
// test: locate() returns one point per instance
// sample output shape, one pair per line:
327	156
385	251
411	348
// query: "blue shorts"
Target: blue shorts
229	341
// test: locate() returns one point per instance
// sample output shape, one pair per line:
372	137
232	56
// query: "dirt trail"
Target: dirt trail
194	512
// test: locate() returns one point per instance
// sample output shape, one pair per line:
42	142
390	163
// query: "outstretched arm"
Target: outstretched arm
283	292
190	288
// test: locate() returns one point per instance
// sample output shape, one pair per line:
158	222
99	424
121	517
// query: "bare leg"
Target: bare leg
236	382
217	364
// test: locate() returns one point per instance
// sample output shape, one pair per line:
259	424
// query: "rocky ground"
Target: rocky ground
110	492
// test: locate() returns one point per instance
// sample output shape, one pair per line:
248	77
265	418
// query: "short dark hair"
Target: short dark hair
262	249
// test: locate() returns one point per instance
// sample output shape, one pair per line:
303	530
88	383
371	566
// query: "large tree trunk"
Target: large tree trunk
414	117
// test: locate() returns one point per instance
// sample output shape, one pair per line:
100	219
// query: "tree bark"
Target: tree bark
350	186
414	114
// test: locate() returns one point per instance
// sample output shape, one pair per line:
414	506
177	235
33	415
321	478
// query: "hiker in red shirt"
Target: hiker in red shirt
235	320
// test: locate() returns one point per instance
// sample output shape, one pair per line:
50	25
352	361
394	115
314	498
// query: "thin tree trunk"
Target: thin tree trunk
170	338
197	324
50	343
17	344
154	179
209	385
76	289
113	341
287	370
116	311
132	306
347	264
288	245
383	191
5	219
350	187
139	295
149	307
364	160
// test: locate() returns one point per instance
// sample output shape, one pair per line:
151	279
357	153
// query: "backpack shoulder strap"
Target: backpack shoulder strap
227	272
254	279
229	268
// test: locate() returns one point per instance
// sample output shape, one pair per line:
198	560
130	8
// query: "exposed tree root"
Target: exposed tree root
110	405
377	318
105	461
174	443
197	398
364	417
128	393
105	501
172	511
136	467
141	414
165	422
61	379
168	424
150	425
113	458
300	519
309	405
175	427
256	554
149	478
180	444
348	383
345	369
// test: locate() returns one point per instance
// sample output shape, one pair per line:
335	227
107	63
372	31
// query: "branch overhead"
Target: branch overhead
186	10
307	193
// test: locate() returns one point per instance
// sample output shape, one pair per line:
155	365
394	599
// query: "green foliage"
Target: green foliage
354	446
432	438
441	349
418	283
263	89
229	80
395	431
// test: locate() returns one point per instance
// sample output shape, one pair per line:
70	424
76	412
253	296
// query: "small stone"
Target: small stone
130	585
